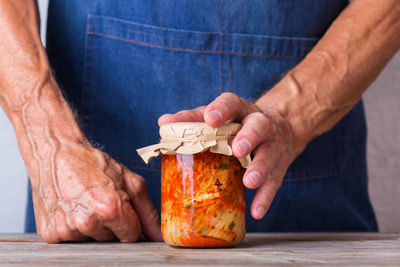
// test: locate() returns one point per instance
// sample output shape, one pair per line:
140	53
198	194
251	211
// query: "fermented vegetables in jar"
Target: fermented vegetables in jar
202	194
202	200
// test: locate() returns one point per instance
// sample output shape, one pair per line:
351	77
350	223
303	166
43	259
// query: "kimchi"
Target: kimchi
202	200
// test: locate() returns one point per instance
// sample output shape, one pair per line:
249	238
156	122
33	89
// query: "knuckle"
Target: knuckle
63	232
255	134
108	207
133	235
261	119
183	111
50	238
228	97
265	172
131	238
124	196
257	125
264	166
84	224
139	184
66	235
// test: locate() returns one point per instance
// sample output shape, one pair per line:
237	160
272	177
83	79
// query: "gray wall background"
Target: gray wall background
382	101
383	116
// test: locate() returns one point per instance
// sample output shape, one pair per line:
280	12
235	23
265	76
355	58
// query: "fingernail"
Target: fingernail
260	212
215	115
255	177
244	146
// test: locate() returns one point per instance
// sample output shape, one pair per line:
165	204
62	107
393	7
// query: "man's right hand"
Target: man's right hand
79	193
84	194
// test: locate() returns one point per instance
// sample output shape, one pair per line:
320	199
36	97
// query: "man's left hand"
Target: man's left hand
266	135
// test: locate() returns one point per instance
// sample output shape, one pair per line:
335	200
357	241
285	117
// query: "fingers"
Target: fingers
113	211
266	173
47	232
265	159
44	230
90	226
267	191
106	215
112	218
64	231
147	213
270	162
120	218
194	115
226	108
256	128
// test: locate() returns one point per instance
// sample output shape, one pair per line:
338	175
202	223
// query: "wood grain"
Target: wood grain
257	249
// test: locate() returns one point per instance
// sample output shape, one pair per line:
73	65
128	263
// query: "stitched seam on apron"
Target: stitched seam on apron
124	21
322	176
90	95
229	64
192	50
242	43
84	68
340	165
220	62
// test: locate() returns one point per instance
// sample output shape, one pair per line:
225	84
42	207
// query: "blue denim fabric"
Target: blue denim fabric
124	63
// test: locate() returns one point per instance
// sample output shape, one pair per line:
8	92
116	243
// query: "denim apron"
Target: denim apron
124	63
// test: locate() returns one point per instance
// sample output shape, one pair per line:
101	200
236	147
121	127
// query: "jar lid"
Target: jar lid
192	138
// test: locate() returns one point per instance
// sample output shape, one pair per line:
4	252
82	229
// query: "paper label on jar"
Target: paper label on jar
192	138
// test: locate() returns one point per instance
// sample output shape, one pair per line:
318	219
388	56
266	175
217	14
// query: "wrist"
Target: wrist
45	125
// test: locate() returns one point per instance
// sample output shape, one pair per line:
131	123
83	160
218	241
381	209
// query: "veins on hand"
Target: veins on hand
40	137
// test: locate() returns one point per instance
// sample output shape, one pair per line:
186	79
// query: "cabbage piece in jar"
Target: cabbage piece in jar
202	200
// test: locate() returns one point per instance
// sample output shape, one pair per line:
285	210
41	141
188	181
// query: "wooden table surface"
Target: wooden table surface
257	249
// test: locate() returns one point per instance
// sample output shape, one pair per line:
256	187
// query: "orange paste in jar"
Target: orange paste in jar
202	200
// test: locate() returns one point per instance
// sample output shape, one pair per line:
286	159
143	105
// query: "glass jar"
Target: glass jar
202	194
202	200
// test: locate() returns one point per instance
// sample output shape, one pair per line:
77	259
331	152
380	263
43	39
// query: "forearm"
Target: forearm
23	58
325	86
42	119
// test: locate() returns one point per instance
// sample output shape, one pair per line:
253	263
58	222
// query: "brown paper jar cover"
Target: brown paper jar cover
192	138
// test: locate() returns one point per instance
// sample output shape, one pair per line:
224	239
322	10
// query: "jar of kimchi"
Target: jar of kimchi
202	194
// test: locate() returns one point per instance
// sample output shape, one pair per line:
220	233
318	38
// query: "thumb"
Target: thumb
141	202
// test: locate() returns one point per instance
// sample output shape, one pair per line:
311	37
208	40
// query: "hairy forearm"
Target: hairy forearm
23	58
43	122
326	85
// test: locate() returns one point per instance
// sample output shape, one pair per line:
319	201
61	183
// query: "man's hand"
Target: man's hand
310	99
84	194
267	135
79	192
